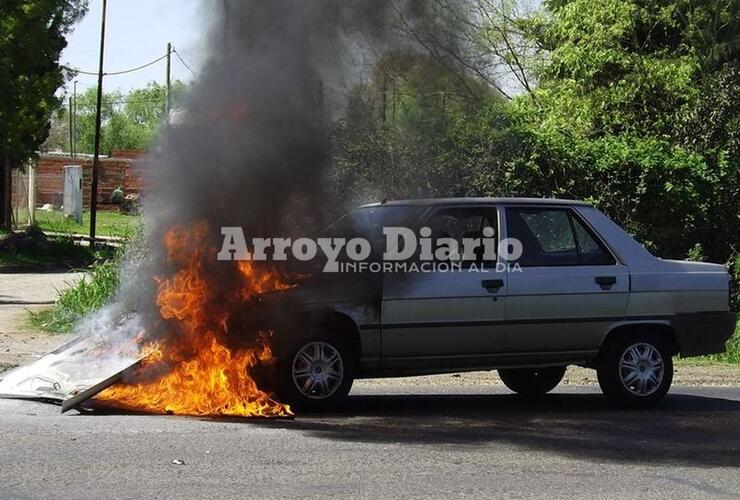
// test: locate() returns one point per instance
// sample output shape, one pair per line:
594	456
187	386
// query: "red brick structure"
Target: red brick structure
118	170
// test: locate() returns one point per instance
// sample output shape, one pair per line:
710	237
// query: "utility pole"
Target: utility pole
98	119
71	130
74	121
168	104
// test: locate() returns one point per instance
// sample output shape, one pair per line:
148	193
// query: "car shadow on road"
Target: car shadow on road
684	429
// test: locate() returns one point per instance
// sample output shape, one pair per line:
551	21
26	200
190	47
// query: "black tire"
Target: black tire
645	384
532	382
292	362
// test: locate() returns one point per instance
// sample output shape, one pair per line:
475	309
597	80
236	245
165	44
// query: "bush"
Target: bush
733	349
117	196
32	248
90	294
734	269
732	355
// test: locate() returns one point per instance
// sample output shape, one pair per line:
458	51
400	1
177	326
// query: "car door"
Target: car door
566	288
436	319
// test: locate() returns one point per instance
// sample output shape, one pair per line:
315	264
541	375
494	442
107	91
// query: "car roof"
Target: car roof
478	201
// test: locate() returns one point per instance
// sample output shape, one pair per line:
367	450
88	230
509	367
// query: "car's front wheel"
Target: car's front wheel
532	381
317	372
636	371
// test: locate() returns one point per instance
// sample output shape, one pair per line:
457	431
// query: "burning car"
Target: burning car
526	287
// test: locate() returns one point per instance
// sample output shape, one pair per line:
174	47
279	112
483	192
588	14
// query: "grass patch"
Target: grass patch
733	350
90	294
93	292
108	224
61	252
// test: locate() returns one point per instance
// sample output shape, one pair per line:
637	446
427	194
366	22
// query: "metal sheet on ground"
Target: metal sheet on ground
71	374
76	400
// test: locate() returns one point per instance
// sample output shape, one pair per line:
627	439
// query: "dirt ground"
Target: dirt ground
19	295
709	375
18	342
34	288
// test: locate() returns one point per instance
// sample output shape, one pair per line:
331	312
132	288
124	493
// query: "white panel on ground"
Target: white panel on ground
73	373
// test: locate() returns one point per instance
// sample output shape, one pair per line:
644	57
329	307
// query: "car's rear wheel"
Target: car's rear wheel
636	371
317	372
532	381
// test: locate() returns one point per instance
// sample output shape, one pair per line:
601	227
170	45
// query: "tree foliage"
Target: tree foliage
414	130
622	107
32	37
631	104
129	120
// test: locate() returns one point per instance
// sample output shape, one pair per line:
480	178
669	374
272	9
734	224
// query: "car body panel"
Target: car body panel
440	314
546	316
548	308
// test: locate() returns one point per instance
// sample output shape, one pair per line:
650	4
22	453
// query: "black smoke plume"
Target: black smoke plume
250	146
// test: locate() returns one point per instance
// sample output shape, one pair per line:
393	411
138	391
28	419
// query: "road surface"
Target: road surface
391	440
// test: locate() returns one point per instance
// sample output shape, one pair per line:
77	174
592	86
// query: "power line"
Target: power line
137	69
116	73
183	61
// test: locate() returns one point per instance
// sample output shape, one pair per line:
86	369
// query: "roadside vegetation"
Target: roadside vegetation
59	253
733	349
51	244
32	38
131	120
90	294
109	224
731	356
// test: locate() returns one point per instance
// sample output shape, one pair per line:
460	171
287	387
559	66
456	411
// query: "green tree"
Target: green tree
620	116
632	104
32	37
129	121
628	65
411	132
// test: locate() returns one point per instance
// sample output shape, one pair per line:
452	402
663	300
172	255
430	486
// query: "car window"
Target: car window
592	251
555	237
546	236
460	224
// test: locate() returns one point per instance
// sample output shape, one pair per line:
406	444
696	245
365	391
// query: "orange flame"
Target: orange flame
195	373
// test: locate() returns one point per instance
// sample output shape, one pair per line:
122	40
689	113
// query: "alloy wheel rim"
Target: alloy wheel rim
318	370
641	369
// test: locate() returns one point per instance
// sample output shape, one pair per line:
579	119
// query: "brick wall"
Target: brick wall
114	172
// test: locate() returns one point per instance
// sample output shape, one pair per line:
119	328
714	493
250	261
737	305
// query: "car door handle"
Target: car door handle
606	282
493	286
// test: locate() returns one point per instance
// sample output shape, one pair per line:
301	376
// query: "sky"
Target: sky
137	33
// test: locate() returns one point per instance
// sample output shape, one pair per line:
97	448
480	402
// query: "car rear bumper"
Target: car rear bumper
704	333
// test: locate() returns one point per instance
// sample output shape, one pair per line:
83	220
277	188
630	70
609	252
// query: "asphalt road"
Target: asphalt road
390	441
